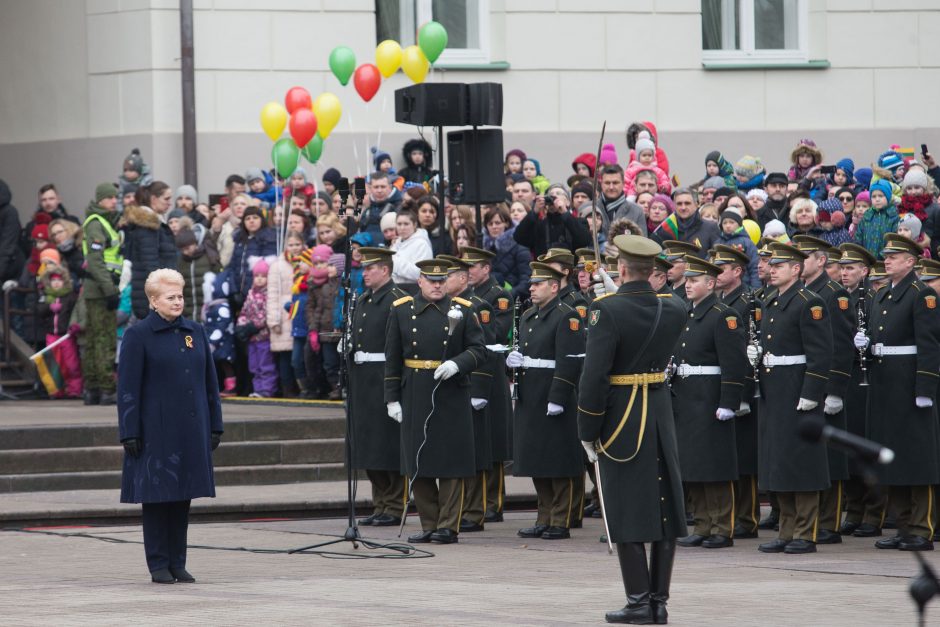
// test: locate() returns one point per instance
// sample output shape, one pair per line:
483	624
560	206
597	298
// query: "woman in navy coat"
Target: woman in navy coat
170	420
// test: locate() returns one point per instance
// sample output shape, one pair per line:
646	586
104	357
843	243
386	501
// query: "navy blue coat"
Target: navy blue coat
261	244
168	396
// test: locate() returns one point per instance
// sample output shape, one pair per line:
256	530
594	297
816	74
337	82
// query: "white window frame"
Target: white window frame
419	11
747	53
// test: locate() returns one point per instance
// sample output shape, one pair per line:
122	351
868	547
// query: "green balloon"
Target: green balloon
342	63
432	39
313	149
286	155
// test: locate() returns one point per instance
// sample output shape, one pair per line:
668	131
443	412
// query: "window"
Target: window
466	21
758	31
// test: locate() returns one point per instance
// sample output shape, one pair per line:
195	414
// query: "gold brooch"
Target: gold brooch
189	341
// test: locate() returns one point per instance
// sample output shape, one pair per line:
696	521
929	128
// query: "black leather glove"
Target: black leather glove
132	446
216	439
245	331
112	301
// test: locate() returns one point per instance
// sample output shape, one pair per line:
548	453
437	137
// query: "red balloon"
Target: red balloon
297	98
303	126
367	80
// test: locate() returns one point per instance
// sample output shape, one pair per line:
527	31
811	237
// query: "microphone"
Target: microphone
816	429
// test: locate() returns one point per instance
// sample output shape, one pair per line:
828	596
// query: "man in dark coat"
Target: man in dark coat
375	438
902	414
433	341
731	291
555	227
11	255
625	413
710	366
692	228
864	504
545	433
498	407
841	316
50	208
675	253
776	207
796	346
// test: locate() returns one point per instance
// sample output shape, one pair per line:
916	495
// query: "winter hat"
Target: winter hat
776	177
808	147
728	214
516	177
608	155
585	188
338	261
301	172
188	191
260	267
644	142
517	153
882	186
127	187
363	238
378	156
558	186
538	166
587	159
586	209
326	198
40	231
184	238
388	220
863	196
748	167
713	182
105	190
50	255
913	223
176	212
714	156
847	166
333	176
838	219
757	193
863	178
775	229
666	200
827	209
915	178
252	174
134	161
723	191
321	252
890	160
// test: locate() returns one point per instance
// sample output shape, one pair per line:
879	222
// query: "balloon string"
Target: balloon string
378	139
366	136
352	135
279	244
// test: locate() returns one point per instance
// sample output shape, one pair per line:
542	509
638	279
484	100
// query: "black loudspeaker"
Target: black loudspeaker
432	104
475	166
484	104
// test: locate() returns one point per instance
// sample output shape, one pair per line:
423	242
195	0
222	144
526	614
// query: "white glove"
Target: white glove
341	347
745	408
598	289
923	401
724	413
9	285
806	405
753	354
609	286
514	359
394	411
589	449
861	340
832	405
478	403
554	410
446	370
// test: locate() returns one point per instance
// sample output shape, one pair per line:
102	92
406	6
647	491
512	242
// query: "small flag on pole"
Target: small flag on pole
47	366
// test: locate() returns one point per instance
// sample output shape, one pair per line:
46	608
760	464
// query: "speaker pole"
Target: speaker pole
476	182
440	181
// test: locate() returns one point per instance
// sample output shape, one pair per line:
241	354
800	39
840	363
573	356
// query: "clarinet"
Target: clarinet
753	338
515	346
860	318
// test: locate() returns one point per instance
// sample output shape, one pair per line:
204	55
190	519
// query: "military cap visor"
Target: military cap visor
476	255
662	264
895	244
854	253
928	269
371	254
434	269
636	247
456	263
675	250
810	244
558	255
543	272
723	254
878	270
784	253
700	267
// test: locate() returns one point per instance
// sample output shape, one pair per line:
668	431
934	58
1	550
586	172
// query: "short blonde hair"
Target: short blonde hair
158	278
801	203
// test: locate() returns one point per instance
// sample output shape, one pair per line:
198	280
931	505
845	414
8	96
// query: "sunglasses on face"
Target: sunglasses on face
845	198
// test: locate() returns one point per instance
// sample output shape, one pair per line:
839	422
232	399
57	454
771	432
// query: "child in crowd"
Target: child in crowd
253	326
862	204
383	163
298	185
514	160
198	263
844	176
608	155
260	186
324	287
297	306
881	218
134	173
803	159
831	219
733	234
280	283
717	165
645	160
748	173
583	165
532	170
910	226
55	310
217	314
417	154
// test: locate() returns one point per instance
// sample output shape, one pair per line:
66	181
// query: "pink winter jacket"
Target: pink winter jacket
629	176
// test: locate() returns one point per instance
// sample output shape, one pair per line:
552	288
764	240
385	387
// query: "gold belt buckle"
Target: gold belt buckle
427	364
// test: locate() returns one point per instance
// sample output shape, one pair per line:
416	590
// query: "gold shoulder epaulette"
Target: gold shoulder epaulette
465	303
602	297
402	301
658	295
916	286
803	294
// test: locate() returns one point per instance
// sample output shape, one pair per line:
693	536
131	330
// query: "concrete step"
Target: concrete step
108	458
224	476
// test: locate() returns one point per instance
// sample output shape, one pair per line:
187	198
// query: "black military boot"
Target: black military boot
662	555
636	583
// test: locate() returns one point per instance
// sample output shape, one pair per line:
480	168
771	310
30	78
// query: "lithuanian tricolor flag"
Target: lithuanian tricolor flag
48	367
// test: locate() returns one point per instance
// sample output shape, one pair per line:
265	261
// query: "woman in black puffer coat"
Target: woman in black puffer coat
148	241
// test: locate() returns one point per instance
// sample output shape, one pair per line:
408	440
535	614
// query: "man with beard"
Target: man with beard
776	207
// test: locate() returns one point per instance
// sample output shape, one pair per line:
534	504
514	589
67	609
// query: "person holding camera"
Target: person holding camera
555	227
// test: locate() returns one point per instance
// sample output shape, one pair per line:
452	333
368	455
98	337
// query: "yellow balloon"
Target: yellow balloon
273	119
328	110
753	230
388	57
414	63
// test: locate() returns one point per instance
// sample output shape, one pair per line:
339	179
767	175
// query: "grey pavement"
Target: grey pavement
488	578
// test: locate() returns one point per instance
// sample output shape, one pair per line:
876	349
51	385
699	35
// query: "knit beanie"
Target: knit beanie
515	152
757	192
378	156
333	176
838	219
40	231
184	238
134	161
538	166
863	178
890	160
863	196
713	182
847	166
175	212
644	143
188	191
388	220
608	155
301	172
723	192
105	190
748	167
714	156
729	214
586	209
827	209
913	223
882	186
915	178
260	267
253	173
774	229
666	200
326	198
584	187
558	186
321	252
50	255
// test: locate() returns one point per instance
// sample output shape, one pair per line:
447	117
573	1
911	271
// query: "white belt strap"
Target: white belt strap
783	360
360	357
528	362
688	370
880	350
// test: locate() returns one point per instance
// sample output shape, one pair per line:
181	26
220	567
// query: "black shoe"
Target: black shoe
444	536
890	523
799	547
492	517
717	542
740	533
556	533
467	526
182	575
532	532
420	538
108	398
774	546
386	520
692	540
162	576
92	397
867	530
888	543
639	614
848	528
365	522
771	522
915	543
825	536
590	509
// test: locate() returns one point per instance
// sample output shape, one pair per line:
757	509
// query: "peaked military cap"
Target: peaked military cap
856	253
371	254
698	267
558	255
895	243
729	254
636	247
878	270
543	272
785	253
456	263
675	250
585	255
476	255
661	263
928	269
810	244
434	269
